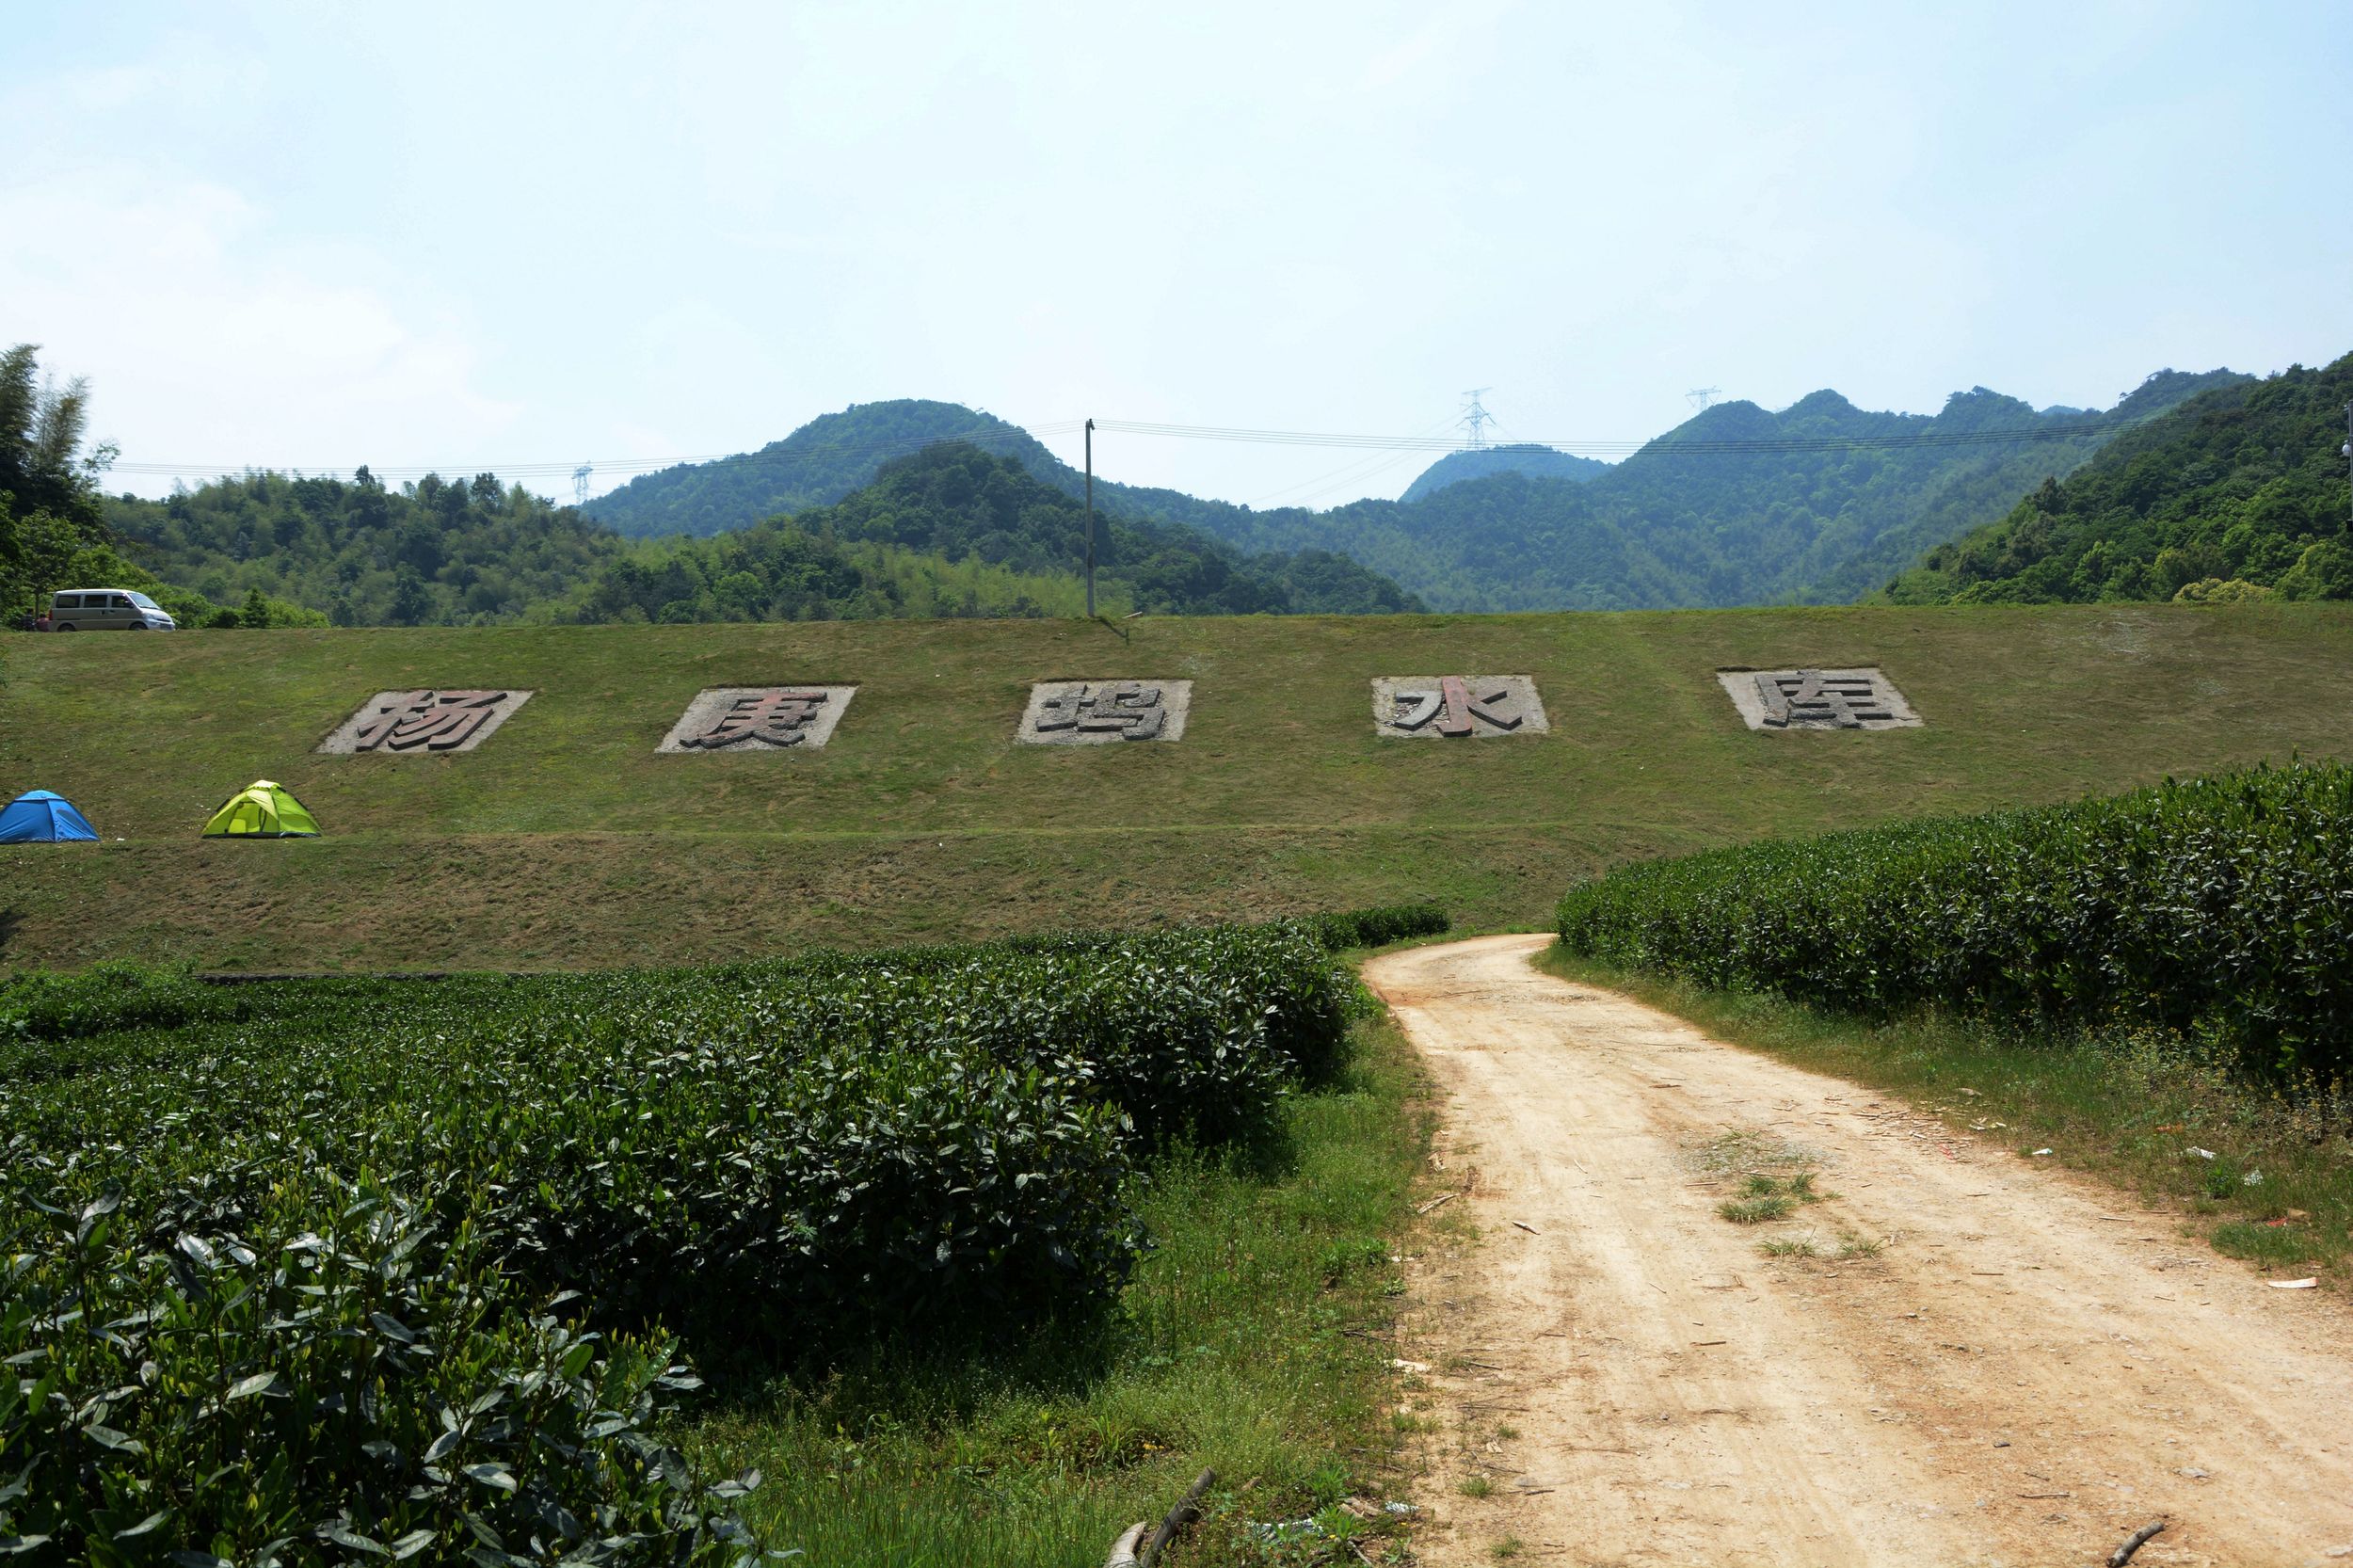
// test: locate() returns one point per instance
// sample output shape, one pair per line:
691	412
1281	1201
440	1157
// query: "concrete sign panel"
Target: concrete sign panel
1818	699
1092	713
760	718
423	723
1456	707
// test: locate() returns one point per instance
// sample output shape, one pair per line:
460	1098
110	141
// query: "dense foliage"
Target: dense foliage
946	532
50	524
2239	493
1373	928
2220	909
337	1270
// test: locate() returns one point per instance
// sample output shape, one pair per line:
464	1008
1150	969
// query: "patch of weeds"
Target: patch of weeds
1754	1212
2262	1243
1505	1434
1788	1246
1475	1486
1507	1549
1762	1187
1852	1246
1802	1188
1356	1256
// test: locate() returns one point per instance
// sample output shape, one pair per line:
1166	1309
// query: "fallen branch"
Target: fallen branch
1443	1197
1124	1549
2134	1543
1188	1508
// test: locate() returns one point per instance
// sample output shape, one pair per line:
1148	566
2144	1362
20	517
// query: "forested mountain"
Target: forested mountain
950	531
815	466
1816	503
956	502
2238	493
1819	502
835	454
1537	462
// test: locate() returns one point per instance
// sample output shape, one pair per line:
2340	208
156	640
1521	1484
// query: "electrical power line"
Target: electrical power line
811	453
1665	444
1669	444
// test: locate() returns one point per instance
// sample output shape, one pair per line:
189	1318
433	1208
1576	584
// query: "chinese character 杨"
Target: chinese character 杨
435	721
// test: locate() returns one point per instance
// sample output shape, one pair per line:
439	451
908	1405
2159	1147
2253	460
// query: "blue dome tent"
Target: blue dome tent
39	817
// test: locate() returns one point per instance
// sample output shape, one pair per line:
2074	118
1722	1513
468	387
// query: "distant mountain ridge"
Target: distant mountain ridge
1537	462
1818	503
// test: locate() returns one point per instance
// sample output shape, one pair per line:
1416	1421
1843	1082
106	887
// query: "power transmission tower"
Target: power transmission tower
1702	396
1476	419
580	483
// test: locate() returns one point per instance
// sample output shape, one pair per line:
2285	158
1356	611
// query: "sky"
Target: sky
491	236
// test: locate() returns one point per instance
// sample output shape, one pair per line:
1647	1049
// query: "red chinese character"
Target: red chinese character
438	721
779	718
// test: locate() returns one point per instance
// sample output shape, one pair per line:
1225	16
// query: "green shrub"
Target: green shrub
105	998
348	1380
1378	926
2216	909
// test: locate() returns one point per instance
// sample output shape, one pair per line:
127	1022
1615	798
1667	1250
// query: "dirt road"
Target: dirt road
1984	1361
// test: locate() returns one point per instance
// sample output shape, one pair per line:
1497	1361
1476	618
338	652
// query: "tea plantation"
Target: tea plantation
2217	911
344	1271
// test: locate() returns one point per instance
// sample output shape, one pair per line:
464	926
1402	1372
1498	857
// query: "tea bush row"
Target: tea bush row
307	1244
2219	910
1377	927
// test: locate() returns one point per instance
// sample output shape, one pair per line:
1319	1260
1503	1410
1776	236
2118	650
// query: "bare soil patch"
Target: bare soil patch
1937	1352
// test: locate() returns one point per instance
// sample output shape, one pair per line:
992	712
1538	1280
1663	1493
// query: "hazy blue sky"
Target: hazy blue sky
488	235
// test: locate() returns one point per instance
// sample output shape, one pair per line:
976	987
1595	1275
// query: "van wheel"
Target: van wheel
67	627
137	626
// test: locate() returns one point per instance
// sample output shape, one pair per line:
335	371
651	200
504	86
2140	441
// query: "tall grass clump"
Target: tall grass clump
2216	910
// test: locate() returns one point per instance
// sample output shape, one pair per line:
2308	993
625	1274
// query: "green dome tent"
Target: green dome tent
262	811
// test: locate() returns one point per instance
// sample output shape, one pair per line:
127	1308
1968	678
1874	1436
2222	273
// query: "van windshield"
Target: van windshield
144	603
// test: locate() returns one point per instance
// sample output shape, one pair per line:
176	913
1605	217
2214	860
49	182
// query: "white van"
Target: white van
107	609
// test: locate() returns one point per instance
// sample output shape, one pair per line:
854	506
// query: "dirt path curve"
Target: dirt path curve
2030	1368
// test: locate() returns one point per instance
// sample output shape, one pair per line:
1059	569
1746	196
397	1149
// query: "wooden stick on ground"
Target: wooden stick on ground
1124	1549
1188	1508
2134	1543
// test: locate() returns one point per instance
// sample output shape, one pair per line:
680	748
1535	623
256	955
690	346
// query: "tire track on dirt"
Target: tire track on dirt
2010	1366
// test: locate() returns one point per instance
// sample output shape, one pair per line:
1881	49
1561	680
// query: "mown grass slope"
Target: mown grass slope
567	841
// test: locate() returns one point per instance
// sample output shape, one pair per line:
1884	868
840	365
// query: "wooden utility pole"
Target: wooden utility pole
1090	519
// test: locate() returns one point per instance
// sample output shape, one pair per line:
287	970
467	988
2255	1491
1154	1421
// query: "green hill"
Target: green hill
815	466
2238	492
1816	503
566	842
1537	462
949	531
1819	502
